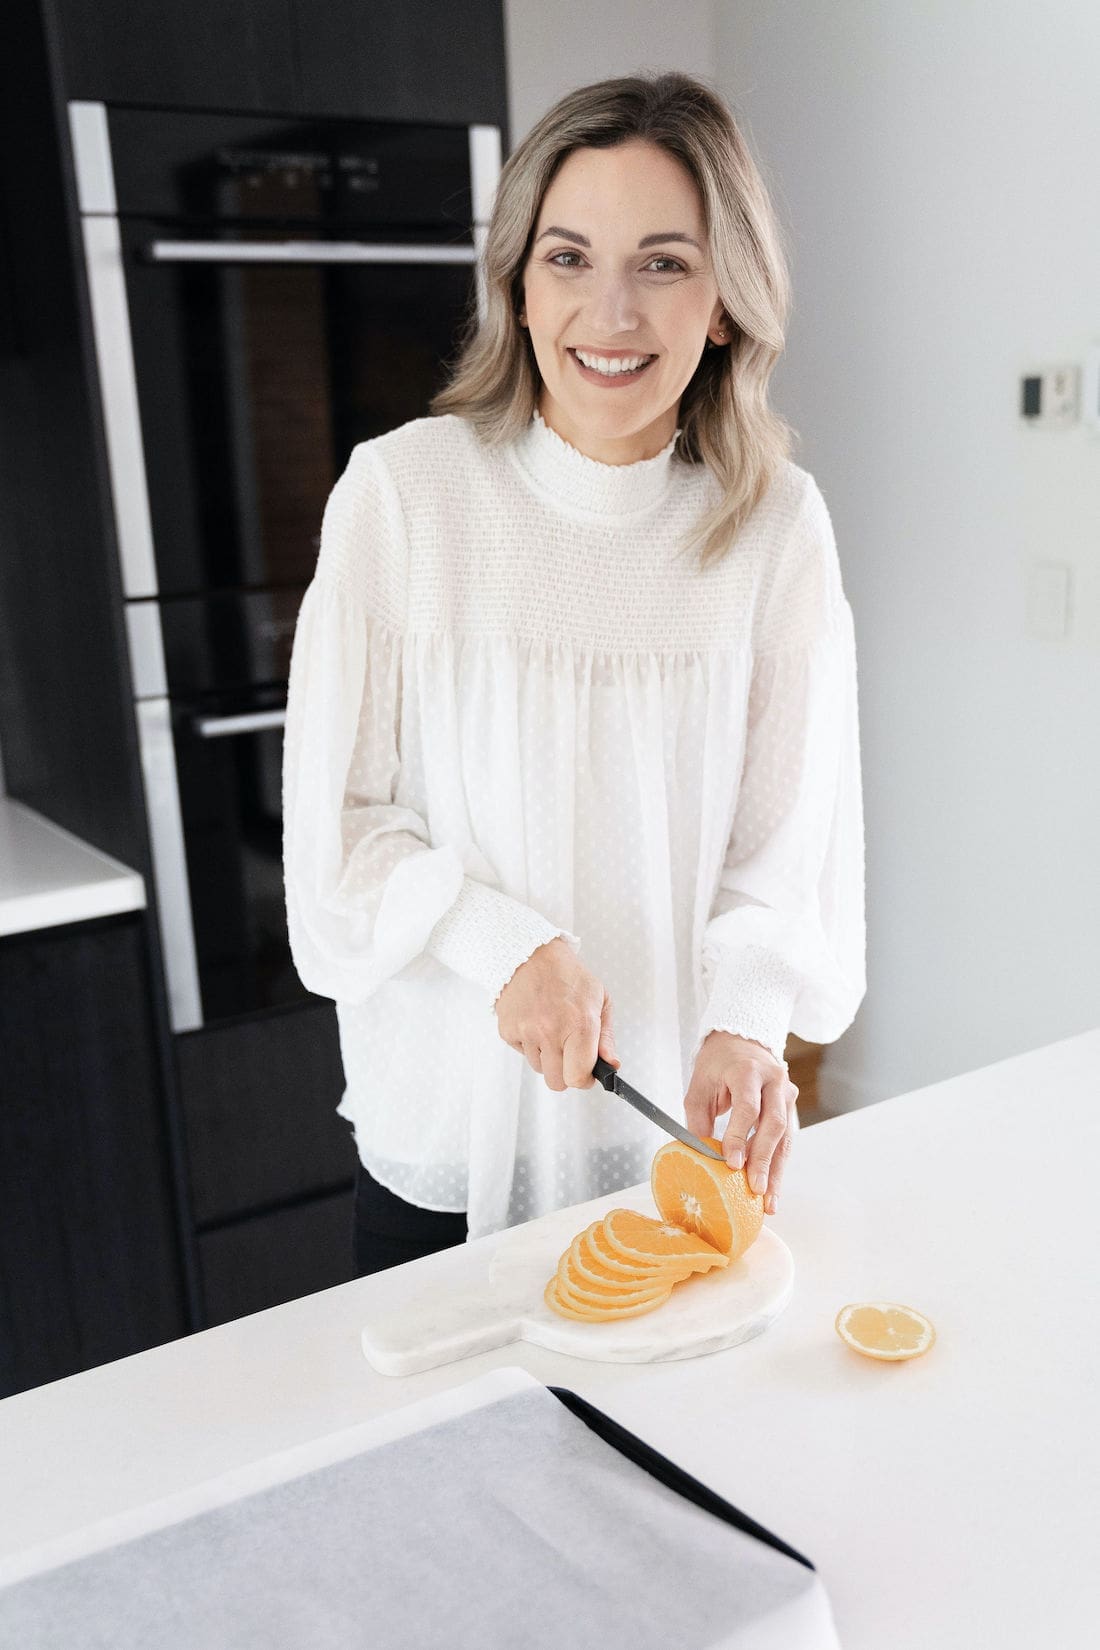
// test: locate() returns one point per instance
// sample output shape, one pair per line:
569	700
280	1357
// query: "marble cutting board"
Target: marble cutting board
502	1302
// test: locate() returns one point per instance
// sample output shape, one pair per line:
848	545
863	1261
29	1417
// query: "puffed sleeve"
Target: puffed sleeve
366	889
784	948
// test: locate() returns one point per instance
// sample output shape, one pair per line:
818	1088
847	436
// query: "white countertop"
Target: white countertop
48	876
948	1501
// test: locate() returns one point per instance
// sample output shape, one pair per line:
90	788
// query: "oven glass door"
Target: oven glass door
229	773
258	371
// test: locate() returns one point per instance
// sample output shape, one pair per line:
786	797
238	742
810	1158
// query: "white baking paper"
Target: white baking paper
487	1516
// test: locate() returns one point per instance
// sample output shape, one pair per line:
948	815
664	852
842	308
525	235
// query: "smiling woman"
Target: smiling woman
619	313
632	221
521	722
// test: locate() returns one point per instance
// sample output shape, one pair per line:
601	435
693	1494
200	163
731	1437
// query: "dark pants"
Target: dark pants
388	1230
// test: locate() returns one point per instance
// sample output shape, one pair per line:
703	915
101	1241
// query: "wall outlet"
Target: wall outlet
1051	396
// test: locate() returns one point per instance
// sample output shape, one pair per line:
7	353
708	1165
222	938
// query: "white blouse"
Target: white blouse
515	712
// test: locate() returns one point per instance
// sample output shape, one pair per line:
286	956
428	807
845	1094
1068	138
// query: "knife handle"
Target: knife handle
604	1072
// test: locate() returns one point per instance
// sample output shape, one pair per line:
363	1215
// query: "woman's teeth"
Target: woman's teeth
622	363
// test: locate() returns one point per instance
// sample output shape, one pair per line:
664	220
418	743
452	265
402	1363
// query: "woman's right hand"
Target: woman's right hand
558	1016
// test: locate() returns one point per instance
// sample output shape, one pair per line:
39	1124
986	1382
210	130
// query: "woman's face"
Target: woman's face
589	284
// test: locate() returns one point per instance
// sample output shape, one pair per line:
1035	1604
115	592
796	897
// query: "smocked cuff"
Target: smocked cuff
752	994
486	935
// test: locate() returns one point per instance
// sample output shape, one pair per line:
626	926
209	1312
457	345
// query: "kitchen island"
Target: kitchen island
946	1501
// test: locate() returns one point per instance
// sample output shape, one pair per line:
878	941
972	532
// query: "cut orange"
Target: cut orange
641	1237
882	1329
591	1267
629	1263
603	1288
570	1307
707	1198
582	1294
599	1244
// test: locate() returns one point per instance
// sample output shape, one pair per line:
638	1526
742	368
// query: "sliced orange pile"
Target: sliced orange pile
629	1263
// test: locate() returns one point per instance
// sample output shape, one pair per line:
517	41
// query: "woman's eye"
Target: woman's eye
677	266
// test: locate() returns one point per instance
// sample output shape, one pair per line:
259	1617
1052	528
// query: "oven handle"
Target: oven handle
217	727
305	252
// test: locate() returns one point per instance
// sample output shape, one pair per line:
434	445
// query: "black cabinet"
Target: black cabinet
271	1166
414	61
104	1116
409	60
91	1262
259	1100
207	54
269	1259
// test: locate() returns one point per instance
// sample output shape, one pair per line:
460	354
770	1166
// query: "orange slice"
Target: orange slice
590	1267
707	1198
881	1329
572	1278
576	1290
569	1308
640	1237
599	1244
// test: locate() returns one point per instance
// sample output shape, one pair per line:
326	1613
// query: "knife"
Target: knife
605	1073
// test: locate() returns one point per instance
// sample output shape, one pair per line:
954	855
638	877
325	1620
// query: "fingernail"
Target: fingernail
758	1180
770	1205
736	1159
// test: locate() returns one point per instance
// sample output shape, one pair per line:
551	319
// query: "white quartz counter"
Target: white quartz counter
48	876
948	1501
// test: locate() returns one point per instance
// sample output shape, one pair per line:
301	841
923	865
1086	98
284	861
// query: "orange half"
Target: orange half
706	1198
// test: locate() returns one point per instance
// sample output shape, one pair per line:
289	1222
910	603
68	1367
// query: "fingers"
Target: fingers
578	1056
780	1158
570	1065
551	1067
702	1104
579	1051
607	1035
559	1015
758	1091
770	1147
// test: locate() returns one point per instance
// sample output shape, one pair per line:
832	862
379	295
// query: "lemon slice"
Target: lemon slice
882	1329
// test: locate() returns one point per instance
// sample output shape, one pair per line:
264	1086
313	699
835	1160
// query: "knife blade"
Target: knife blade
605	1073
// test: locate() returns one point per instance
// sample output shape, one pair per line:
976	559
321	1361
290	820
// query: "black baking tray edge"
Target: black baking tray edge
667	1472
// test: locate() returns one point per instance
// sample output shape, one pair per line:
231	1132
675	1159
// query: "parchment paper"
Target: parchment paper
511	1525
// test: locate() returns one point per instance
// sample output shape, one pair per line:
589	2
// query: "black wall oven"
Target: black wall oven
265	293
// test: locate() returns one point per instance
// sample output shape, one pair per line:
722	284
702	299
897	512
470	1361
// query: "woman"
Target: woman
552	785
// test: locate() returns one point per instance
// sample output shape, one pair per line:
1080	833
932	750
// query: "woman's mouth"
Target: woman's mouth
612	373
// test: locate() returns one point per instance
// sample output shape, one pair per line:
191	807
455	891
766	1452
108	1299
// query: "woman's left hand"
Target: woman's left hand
744	1078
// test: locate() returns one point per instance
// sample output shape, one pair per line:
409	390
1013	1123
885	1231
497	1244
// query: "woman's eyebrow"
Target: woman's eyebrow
646	240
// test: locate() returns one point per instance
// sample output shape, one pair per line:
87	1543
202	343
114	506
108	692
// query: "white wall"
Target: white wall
937	165
553	48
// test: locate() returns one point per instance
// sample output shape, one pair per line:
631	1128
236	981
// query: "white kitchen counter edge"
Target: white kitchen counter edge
48	876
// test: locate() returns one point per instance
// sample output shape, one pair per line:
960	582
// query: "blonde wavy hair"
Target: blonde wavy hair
724	417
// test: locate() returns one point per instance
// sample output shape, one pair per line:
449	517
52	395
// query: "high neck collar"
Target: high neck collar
570	478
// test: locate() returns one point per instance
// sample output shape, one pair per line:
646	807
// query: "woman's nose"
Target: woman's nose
613	308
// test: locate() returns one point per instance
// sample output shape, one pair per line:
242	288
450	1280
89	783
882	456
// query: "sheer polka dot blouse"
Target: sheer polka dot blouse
516	712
